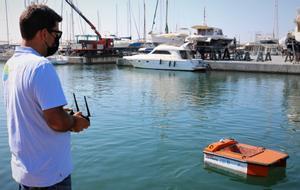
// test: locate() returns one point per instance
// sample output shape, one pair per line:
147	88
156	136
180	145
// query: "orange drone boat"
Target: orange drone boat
244	158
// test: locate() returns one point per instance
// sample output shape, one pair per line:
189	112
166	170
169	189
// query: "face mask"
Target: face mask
51	50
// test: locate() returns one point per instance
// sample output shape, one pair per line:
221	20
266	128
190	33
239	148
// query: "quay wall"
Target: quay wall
92	60
266	67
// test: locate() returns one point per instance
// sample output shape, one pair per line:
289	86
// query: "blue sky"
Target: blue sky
237	18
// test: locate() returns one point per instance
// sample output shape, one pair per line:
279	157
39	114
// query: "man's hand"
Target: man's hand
69	111
80	123
59	120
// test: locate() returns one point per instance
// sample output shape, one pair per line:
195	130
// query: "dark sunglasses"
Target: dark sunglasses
57	32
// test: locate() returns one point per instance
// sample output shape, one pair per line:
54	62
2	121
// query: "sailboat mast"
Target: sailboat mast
144	21
204	17
130	23
154	17
275	25
117	27
7	30
72	23
129	19
167	7
161	16
61	12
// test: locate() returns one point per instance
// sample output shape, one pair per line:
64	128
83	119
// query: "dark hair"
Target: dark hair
37	17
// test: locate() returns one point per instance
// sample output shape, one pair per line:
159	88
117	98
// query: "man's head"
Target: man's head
40	21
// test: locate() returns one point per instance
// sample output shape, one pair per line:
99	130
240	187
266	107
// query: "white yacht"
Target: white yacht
207	36
176	39
166	57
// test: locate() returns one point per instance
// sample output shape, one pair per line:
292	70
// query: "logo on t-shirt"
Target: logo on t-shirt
5	73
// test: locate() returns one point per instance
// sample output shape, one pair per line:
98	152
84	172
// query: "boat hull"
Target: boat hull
236	165
179	65
222	162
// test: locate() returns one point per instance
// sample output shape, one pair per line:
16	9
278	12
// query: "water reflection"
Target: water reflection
149	127
292	98
88	79
276	175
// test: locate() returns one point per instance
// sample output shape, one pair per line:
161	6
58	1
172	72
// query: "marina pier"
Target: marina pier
277	65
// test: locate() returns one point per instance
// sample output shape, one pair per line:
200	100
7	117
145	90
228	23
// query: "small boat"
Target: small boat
166	57
58	59
243	158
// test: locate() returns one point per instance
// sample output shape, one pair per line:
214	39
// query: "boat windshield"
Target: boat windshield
219	32
161	52
186	54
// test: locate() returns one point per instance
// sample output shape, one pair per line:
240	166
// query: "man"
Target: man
38	127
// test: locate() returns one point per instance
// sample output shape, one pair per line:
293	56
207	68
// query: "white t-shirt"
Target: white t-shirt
40	156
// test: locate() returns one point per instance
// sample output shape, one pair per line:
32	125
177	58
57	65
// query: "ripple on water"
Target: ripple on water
148	128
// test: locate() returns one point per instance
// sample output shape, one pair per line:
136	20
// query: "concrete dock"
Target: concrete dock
276	65
92	60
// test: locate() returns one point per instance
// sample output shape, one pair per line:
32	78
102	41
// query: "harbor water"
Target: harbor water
149	127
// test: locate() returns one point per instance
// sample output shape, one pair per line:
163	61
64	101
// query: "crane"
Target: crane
88	46
84	18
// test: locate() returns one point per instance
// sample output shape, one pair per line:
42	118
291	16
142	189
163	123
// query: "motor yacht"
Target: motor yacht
166	57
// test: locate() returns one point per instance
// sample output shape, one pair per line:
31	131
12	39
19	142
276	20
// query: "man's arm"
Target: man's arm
59	120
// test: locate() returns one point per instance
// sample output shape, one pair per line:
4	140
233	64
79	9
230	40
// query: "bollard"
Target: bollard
260	57
226	55
268	57
247	56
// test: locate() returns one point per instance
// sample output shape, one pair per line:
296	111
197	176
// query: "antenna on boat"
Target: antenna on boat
204	17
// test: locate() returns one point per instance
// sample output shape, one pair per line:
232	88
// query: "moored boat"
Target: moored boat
243	158
175	39
209	37
166	57
58	59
